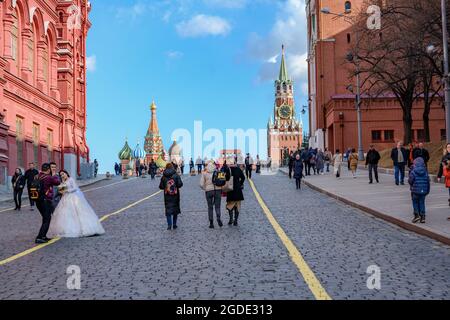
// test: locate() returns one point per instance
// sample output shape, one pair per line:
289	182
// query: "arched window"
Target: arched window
45	65
285	87
348	6
15	36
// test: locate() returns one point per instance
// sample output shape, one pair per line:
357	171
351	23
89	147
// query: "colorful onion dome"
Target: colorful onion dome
138	153
126	152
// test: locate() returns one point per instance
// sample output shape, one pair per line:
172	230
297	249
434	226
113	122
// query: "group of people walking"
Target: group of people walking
216	181
314	159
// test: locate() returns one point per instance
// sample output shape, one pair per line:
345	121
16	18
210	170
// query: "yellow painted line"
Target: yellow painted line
130	206
41	246
308	275
27	252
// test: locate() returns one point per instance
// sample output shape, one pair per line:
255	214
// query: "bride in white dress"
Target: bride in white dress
73	217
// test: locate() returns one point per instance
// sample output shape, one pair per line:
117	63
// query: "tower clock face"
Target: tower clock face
285	112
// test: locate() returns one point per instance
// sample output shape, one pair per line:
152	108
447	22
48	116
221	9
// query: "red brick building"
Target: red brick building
333	118
43	84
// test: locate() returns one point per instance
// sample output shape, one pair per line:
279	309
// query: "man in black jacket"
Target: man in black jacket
29	178
291	164
421	152
399	156
372	159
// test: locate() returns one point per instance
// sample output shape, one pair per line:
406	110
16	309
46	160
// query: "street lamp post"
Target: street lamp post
358	84
446	69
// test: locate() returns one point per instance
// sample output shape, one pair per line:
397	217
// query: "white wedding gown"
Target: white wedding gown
74	217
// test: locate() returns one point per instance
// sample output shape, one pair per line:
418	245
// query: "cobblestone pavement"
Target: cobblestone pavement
340	243
138	258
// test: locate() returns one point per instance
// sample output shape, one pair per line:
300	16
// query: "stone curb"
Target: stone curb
403	224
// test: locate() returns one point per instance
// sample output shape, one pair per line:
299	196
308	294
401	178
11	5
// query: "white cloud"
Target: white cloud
229	4
91	63
132	12
174	54
273	59
289	29
203	25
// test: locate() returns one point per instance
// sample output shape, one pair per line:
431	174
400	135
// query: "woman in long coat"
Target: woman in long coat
320	162
337	163
235	197
171	184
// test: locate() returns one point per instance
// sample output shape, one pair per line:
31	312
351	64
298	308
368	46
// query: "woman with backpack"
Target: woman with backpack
236	196
212	182
171	183
18	183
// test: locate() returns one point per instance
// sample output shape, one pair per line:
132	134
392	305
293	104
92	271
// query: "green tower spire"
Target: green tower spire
283	69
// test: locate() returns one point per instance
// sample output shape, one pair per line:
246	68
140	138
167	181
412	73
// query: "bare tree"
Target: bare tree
396	60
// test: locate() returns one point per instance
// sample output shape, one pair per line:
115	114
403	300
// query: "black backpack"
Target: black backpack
219	178
37	190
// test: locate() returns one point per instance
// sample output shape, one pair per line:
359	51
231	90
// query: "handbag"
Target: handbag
228	187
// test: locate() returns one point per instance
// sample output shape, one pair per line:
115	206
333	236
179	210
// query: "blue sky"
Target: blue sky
208	60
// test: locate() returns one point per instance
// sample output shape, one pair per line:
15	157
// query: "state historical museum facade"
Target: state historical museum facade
43	84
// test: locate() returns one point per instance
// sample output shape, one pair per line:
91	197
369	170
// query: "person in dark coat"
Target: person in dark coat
298	171
152	169
171	183
18	183
235	197
304	157
45	204
372	159
117	169
191	166
30	174
421	152
445	159
399	156
291	164
419	181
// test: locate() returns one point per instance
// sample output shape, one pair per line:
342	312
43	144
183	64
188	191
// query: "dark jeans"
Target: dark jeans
258	169
328	166
248	172
172	219
46	210
306	165
29	197
298	183
18	198
418	201
199	168
399	172
374	168
214	198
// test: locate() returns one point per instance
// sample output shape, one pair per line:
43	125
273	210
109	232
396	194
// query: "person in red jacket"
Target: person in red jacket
446	174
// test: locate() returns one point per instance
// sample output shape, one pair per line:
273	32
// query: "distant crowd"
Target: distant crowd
415	158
